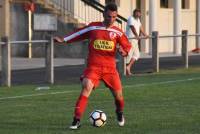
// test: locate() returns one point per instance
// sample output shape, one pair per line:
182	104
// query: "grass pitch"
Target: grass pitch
164	103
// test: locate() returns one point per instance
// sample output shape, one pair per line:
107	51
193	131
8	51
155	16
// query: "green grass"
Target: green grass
163	103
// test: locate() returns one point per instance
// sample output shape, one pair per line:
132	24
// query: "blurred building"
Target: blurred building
168	17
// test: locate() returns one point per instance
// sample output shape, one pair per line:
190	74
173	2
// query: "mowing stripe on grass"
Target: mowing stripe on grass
127	86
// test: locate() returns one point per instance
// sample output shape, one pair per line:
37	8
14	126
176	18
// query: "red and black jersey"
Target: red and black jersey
102	43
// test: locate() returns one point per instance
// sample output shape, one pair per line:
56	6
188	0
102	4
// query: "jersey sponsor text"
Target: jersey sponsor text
104	45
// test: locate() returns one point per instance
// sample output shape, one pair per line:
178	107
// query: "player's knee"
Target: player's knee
86	89
87	84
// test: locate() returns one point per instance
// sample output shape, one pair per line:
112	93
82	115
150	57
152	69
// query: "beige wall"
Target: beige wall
145	24
165	27
126	8
165	24
189	23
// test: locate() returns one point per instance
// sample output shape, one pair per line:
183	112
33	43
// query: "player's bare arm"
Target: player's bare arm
122	52
134	32
58	39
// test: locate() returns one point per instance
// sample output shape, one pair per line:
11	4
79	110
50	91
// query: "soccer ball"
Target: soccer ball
98	118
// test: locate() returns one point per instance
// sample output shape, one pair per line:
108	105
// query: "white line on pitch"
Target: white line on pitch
71	91
40	94
163	82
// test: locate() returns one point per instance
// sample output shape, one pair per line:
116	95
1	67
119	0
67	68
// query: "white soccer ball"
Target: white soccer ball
98	118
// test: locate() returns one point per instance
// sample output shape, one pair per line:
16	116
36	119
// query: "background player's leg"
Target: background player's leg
129	65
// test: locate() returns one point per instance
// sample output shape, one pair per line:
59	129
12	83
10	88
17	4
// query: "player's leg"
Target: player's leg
113	82
119	103
90	80
87	87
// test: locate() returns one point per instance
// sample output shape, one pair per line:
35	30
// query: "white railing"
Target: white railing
5	45
75	8
81	11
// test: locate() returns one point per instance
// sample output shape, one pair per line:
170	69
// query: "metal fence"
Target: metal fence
49	58
155	51
6	59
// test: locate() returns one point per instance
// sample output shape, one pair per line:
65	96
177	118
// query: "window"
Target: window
185	4
138	4
117	2
164	3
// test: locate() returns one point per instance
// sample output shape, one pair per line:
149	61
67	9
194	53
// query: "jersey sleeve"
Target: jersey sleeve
77	35
124	43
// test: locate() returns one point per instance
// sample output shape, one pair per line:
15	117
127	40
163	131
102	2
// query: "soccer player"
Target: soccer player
101	65
133	30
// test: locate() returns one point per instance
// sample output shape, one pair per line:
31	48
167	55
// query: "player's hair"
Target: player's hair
110	6
136	10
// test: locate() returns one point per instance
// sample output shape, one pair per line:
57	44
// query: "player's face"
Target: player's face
110	17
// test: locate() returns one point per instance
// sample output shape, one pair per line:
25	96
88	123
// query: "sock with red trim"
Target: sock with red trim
80	106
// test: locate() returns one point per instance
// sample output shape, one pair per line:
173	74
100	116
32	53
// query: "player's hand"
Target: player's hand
137	38
146	37
58	39
122	52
